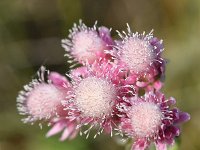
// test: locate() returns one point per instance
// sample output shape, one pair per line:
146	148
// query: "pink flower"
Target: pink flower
138	52
150	118
93	98
86	44
41	98
140	56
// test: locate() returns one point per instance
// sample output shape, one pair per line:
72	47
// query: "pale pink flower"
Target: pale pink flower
150	118
41	101
86	44
41	98
94	97
140	56
137	51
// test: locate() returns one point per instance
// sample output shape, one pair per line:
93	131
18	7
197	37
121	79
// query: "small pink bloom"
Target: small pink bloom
44	101
40	99
87	44
94	97
150	118
140	56
139	51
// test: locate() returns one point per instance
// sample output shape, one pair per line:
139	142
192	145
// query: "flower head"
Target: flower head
93	98
86	44
145	126
137	51
95	102
40	99
140	56
151	119
137	54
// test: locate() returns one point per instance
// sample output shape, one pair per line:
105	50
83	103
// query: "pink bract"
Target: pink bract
62	124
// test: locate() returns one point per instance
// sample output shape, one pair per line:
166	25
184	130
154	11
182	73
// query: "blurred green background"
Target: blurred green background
30	34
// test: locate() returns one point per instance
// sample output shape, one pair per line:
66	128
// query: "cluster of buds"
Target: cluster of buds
114	90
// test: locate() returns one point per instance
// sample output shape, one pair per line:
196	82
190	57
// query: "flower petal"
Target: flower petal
58	79
104	33
58	127
140	144
67	132
183	117
161	146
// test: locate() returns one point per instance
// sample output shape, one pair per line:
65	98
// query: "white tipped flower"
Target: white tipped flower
84	44
44	101
151	118
146	119
95	97
40	99
137	52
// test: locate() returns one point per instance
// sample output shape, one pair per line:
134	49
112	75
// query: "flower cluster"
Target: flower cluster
115	89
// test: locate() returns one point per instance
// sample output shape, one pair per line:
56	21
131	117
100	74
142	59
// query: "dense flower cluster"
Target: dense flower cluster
116	88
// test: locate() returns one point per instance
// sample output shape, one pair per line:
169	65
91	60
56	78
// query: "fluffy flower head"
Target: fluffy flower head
137	52
94	97
145	118
44	101
86	44
150	118
40	99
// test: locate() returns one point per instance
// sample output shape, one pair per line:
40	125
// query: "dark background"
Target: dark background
30	34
